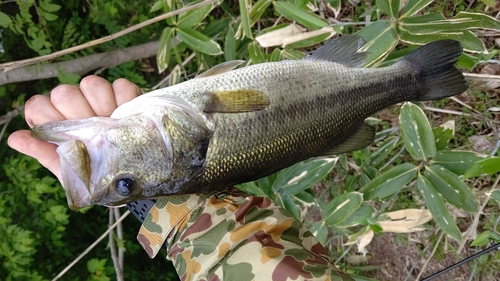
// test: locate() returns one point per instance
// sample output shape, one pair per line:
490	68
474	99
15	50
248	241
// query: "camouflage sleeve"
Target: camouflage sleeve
233	237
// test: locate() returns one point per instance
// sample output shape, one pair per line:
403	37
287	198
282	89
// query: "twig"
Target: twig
112	247
472	228
91	246
481	77
430	256
446	111
186	61
11	65
119	234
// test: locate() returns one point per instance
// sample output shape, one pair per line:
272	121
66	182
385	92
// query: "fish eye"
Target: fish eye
125	185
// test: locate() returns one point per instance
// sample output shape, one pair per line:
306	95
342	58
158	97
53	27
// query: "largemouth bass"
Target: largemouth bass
228	126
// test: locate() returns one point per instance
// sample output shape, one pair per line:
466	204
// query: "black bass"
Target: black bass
228	126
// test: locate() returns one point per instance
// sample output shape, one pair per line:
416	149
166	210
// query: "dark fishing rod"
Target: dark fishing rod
473	257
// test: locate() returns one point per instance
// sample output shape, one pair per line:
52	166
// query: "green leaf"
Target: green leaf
255	53
384	149
199	42
157	6
495	195
451	188
443	135
50	7
456	161
381	37
342	207
290	206
292	54
490	3
469	41
276	55
48	16
167	43
389	7
245	18
417	132
413	7
320	231
5	20
230	45
258	10
479	20
306	19
252	189
389	182
309	41
484	238
191	18
490	166
359	217
437	208
303	175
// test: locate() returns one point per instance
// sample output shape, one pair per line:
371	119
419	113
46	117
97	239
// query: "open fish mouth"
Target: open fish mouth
76	171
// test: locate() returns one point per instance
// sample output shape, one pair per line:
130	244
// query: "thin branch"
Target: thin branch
91	246
481	77
112	248
11	65
430	256
119	235
81	65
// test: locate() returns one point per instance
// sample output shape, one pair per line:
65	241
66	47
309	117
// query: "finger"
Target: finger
43	151
99	95
125	91
70	102
39	109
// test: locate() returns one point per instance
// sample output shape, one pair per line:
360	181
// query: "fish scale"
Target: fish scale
228	126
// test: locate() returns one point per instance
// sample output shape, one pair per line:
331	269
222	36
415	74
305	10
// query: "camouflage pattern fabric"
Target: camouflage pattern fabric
234	237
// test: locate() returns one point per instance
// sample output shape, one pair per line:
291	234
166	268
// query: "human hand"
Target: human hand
94	97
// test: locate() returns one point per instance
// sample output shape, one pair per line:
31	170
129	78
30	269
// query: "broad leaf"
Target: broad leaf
199	42
389	7
245	18
255	53
417	132
359	217
484	166
451	188
257	10
443	134
230	45
389	182
167	43
480	20
290	206
306	19
5	20
485	238
413	7
193	17
320	231
495	195
437	208
469	41
307	39
384	149
303	175
342	207
292	54
381	37
456	161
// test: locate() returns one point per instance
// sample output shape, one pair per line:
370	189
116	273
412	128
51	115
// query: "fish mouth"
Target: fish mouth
75	171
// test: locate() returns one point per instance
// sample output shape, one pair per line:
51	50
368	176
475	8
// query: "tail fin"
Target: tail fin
434	64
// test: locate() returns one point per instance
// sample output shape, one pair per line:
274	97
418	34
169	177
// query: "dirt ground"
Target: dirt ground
395	261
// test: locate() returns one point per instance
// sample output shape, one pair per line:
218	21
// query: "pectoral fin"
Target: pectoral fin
361	139
234	101
221	68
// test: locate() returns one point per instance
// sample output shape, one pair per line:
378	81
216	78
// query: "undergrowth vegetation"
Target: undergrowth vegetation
431	177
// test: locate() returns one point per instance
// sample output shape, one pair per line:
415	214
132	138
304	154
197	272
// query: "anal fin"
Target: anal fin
361	139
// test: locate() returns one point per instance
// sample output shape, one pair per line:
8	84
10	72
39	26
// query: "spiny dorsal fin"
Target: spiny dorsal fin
361	139
234	101
343	50
221	68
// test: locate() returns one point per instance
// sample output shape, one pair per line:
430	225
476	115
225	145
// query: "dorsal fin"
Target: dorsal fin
343	50
221	68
